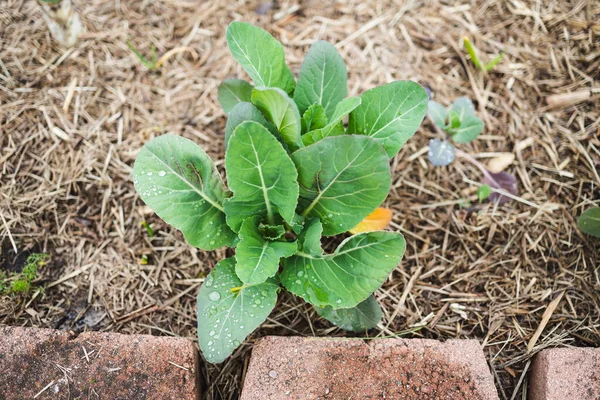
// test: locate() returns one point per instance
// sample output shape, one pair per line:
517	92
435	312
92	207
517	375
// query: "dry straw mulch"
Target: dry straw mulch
72	121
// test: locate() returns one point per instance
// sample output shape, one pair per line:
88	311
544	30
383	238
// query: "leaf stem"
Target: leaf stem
480	166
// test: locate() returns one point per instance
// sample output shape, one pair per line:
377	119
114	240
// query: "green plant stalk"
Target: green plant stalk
471	50
489	66
148	228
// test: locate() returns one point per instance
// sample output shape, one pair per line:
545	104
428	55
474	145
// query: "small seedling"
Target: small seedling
148	228
589	221
475	59
22	282
295	173
460	124
152	65
156	62
483	192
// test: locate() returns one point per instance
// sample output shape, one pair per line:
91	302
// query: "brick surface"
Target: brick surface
563	374
327	368
95	365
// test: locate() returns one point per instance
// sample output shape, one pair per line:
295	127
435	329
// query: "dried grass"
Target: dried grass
72	121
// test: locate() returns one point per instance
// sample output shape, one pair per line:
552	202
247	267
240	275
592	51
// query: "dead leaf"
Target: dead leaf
500	163
376	221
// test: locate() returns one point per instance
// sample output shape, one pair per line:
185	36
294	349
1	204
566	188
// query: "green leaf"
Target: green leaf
282	112
323	79
463	106
261	175
342	180
232	92
347	277
309	240
228	311
335	126
243	112
364	316
176	178
589	221
453	121
257	259
483	192
390	114
470	127
261	56
437	113
271	232
314	118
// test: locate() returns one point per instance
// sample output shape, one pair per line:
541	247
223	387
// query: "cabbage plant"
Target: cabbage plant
295	174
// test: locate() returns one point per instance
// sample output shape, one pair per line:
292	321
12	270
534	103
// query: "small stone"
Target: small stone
273	374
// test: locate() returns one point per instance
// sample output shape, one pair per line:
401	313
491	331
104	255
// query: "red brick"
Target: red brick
328	368
116	367
561	374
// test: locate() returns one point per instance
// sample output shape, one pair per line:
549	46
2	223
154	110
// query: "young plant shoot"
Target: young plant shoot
295	174
460	124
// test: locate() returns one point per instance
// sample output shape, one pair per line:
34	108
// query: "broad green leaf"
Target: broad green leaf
313	118
228	311
589	221
437	113
309	240
342	180
257	259
335	126
176	178
232	92
470	127
323	79
282	112
347	277
261	56
243	112
390	114
364	316
261	175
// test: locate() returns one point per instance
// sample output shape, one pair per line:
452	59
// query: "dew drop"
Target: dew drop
212	242
300	274
149	173
211	333
257	301
162	173
210	343
339	301
214	296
